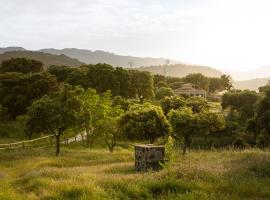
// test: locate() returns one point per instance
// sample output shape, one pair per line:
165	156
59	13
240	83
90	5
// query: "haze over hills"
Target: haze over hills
80	56
75	57
94	57
45	58
260	72
181	70
6	49
252	84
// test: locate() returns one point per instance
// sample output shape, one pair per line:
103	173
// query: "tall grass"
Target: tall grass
80	173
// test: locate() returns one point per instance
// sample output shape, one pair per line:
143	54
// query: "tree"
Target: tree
55	115
144	122
164	92
197	104
22	65
199	80
90	114
184	123
242	101
226	82
77	77
174	102
102	78
61	72
18	91
142	83
210	122
109	123
122	102
262	113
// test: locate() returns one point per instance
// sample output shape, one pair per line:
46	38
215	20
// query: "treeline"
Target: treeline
248	117
210	84
103	77
93	99
23	80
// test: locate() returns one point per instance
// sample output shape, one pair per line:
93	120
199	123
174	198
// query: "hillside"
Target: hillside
252	84
47	59
258	73
181	70
94	57
6	49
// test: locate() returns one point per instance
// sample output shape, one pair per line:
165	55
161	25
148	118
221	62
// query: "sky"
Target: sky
225	34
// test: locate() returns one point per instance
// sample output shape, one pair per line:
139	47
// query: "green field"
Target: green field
80	173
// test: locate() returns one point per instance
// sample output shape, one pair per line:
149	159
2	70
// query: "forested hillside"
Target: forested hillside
45	58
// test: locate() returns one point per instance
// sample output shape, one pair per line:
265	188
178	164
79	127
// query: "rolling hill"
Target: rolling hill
181	70
252	84
94	57
45	58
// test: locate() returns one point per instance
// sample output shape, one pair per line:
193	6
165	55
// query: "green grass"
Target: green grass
80	173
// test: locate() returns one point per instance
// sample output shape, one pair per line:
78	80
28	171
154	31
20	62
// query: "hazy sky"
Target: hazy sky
227	34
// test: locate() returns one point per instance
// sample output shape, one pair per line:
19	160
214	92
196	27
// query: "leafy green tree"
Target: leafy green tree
215	84
262	113
109	123
197	104
184	123
142	83
90	114
22	65
77	77
242	101
144	122
102	78
55	115
61	72
164	92
122	102
173	102
199	80
18	91
226	82
210	122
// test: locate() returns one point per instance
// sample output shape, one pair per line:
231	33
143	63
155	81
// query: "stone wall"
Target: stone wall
149	157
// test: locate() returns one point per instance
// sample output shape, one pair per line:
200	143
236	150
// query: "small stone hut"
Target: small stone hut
149	157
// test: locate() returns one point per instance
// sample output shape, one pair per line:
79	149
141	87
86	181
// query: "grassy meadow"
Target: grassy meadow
80	173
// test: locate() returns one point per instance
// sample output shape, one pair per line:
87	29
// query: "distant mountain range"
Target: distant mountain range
260	72
45	58
252	84
76	57
94	57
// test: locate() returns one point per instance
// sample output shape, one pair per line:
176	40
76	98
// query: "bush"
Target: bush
164	92
261	141
240	143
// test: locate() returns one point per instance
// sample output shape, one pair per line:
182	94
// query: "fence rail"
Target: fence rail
39	142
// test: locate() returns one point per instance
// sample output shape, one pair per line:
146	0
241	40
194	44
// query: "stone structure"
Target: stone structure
149	157
189	90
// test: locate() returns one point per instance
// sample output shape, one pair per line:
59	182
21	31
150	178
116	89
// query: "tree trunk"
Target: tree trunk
111	149
57	144
151	140
185	145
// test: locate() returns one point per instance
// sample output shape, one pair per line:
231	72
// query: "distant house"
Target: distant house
189	90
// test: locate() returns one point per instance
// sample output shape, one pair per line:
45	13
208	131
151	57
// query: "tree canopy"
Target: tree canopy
144	122
21	65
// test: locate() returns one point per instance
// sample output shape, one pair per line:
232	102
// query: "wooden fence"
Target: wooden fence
45	141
